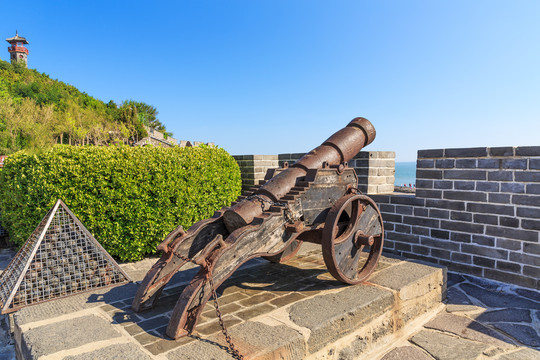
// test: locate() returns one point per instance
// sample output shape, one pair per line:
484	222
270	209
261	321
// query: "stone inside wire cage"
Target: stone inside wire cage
67	260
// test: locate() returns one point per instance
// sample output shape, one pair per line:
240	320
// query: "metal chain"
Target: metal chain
233	350
287	213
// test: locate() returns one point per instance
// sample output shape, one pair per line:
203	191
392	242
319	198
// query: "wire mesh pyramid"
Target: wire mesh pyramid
60	258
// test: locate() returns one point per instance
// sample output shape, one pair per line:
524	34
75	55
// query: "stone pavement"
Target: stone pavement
483	319
269	318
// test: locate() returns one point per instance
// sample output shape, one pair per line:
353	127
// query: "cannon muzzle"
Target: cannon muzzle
338	148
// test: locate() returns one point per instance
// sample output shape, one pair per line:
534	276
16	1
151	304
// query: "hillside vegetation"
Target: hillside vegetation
37	112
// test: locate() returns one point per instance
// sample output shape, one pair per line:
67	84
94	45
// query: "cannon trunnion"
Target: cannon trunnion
315	200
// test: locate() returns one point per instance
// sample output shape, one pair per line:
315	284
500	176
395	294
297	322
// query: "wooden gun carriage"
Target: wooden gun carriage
315	200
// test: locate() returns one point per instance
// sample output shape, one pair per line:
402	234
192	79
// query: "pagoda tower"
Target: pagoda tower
17	50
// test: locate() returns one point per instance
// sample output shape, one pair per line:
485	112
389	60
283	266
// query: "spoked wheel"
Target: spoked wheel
352	239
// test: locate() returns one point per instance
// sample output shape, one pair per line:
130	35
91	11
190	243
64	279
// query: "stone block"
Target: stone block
518	234
406	352
256	340
460	216
466	152
527	176
528	151
75	303
442	184
490	209
514	164
466	163
385	188
534	164
468	329
430	194
489	163
446	347
118	351
428	174
199	350
487	186
513	187
445	163
500	175
499	198
439	214
425	163
410	280
501	151
63	335
465	195
331	316
434	153
465	174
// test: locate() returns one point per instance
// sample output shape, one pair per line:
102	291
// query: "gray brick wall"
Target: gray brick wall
476	210
253	168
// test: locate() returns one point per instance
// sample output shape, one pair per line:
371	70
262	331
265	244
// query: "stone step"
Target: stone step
294	310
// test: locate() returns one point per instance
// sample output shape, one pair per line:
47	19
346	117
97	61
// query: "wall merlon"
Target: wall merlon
466	152
502	151
528	151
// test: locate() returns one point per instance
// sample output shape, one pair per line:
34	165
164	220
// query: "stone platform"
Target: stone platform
294	310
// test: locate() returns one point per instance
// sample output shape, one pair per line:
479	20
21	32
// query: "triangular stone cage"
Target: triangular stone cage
60	258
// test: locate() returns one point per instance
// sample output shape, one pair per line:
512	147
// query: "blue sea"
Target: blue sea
405	173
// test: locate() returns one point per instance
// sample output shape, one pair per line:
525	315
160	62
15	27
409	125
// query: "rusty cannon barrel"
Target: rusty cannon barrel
338	148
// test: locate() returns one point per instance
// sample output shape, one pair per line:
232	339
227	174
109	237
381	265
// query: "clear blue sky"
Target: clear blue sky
270	76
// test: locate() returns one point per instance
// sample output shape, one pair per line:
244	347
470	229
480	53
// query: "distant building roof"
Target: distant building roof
17	38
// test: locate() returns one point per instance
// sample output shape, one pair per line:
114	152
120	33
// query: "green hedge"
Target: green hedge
128	197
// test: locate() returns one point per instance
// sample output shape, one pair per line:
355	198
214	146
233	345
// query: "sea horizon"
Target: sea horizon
405	173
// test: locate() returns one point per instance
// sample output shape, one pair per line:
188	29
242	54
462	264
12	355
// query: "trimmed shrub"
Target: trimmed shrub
128	197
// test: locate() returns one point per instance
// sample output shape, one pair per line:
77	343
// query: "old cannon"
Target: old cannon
315	200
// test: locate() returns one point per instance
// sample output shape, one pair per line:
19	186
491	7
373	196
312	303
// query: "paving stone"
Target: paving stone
68	334
505	315
74	303
114	352
146	338
409	279
225	309
146	325
406	353
531	294
257	299
331	316
458	297
522	354
224	300
213	327
287	299
447	347
451	308
200	350
166	344
124	317
257	340
255	311
468	329
525	334
453	279
498	299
